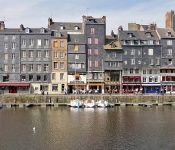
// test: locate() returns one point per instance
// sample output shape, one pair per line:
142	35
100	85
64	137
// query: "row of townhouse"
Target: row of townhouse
78	56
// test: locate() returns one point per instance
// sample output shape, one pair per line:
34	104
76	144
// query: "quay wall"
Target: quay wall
24	98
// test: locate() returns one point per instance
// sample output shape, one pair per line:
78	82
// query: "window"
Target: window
76	56
90	63
13	37
23	42
156	79
96	63
31	67
125	62
150	51
23	67
150	71
13	55
61	44
30	54
62	27
55	44
5	68
170	52
23	53
62	87
133	52
54	87
13	45
92	30
89	40
137	71
89	51
39	42
46	53
38	78
169	42
96	52
144	71
42	30
61	54
76	48
132	61
157	61
46	42
150	42
62	65
27	30
61	76
5	37
38	54
125	52
55	54
38	67
46	67
6	45
150	79
30	77
76	28
151	61
53	76
31	42
55	65
96	40
139	52
23	77
13	68
6	56
170	62
131	71
144	79
45	77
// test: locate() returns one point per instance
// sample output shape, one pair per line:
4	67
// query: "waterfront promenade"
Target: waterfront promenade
26	100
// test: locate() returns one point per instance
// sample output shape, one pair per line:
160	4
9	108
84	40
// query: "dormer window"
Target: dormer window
148	35
113	45
62	27
130	35
42	30
27	30
76	28
169	34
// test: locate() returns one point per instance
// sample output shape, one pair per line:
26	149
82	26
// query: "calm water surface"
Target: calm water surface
119	128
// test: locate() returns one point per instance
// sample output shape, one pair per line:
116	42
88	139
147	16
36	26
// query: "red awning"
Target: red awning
14	84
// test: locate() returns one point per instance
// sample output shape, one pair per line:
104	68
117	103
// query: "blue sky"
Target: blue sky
34	13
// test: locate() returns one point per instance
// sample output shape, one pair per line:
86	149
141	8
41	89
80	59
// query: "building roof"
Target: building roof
138	35
165	33
76	39
92	20
66	26
112	43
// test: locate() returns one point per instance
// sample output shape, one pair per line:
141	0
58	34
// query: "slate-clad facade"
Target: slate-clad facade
74	57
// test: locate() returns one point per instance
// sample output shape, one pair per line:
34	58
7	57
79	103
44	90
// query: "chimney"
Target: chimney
50	22
120	28
152	26
104	19
2	25
22	27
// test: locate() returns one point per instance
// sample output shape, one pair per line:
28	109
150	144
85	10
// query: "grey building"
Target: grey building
141	61
36	58
95	34
10	49
167	71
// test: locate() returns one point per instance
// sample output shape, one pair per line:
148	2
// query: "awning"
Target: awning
15	84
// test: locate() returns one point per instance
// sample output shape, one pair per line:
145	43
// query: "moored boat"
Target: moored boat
89	104
76	103
102	103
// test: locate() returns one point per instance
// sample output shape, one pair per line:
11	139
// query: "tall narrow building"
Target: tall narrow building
170	20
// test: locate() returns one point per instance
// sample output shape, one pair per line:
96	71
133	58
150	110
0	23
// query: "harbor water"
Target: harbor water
64	128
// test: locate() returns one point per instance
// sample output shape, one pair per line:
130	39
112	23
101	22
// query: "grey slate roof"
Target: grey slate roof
68	26
92	20
163	33
138	35
76	39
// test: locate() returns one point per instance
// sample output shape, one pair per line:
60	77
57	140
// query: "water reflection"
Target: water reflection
88	128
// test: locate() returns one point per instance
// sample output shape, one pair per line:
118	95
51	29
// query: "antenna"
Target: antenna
4	19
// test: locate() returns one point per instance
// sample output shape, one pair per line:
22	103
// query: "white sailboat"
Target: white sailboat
75	102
